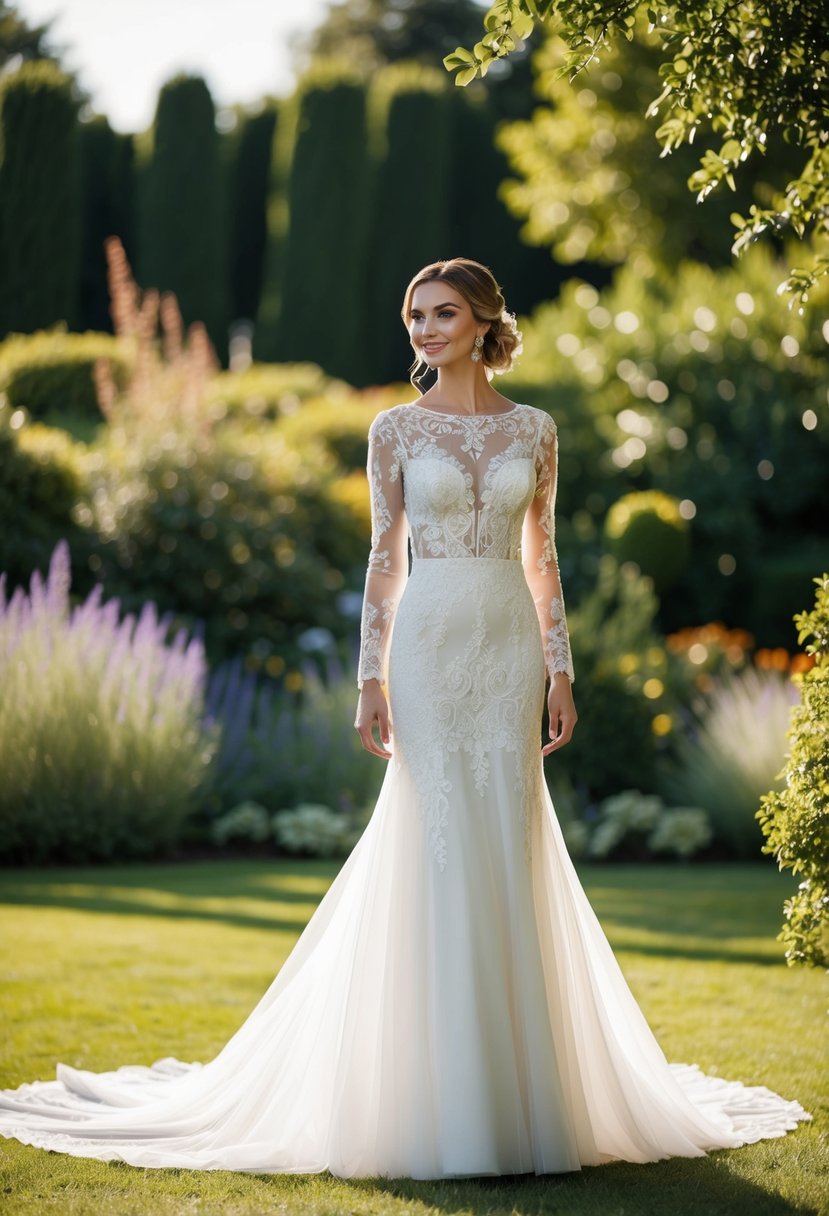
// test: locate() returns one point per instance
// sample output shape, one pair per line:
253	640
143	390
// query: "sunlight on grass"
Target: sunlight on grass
100	967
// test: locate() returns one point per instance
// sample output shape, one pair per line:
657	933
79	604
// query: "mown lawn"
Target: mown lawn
100	967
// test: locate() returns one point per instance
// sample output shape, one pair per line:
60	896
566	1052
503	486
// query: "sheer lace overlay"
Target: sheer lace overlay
462	486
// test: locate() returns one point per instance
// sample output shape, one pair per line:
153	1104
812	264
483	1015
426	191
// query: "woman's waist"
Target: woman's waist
466	562
462	571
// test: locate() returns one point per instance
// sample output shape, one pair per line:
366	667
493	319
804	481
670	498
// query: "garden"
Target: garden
186	528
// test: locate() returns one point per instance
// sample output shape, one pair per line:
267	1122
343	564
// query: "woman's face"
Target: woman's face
442	327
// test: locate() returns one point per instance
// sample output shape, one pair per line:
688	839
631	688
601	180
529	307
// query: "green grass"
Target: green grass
100	967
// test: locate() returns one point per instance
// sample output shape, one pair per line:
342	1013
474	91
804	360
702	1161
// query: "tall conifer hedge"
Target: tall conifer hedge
182	246
107	192
249	163
317	226
411	142
39	199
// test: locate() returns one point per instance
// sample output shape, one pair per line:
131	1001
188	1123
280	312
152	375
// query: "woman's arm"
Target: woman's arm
385	579
544	579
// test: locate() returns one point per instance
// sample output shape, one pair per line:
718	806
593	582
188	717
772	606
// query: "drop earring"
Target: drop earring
476	352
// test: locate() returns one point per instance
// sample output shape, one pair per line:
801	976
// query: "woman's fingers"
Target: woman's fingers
366	733
562	725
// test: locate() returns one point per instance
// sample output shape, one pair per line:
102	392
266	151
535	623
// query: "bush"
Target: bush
314	831
267	391
51	373
218	523
698	384
625	686
795	820
731	753
273	735
646	527
102	747
41	480
247	821
635	826
220	529
338	426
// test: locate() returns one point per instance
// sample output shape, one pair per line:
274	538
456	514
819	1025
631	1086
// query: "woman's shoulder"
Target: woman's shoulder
545	422
385	423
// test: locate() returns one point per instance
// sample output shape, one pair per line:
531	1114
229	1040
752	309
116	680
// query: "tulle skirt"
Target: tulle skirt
453	1007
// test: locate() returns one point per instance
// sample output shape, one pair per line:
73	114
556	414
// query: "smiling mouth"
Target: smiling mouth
433	348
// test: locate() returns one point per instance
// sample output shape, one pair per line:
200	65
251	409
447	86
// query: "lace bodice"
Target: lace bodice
459	485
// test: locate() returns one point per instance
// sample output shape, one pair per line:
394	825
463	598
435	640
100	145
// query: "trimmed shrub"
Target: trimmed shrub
51	373
269	391
102	747
339	427
795	819
646	527
41	481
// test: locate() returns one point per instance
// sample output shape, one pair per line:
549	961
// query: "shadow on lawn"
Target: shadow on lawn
678	1187
702	912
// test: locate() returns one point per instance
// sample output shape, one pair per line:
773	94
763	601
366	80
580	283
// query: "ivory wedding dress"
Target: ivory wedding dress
453	1007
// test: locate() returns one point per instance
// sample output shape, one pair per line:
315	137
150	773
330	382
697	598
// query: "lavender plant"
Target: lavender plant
281	749
103	748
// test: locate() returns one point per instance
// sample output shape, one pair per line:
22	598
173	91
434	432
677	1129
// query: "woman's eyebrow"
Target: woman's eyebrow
438	307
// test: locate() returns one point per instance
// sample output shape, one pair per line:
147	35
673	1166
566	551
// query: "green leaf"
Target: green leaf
522	26
466	76
458	58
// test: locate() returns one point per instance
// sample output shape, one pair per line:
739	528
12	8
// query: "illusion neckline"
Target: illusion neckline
445	413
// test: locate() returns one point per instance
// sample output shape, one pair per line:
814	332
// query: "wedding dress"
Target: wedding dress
453	1007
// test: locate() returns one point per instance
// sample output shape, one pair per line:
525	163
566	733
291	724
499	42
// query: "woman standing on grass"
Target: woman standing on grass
453	1007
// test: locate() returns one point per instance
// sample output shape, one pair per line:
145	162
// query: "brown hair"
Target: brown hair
477	284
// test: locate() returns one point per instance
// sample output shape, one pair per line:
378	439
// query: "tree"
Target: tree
317	220
378	32
591	183
409	210
739	74
107	194
249	163
18	38
181	233
40	231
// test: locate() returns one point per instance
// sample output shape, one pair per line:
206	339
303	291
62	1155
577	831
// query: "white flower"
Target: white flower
247	821
683	830
312	828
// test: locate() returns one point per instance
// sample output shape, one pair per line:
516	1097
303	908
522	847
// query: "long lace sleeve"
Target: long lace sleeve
539	555
388	560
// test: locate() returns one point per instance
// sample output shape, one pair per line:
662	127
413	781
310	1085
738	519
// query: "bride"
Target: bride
453	1007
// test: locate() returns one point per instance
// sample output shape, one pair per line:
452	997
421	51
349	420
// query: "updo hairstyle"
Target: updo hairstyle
476	283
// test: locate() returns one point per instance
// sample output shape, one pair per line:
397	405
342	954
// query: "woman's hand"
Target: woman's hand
562	711
373	707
